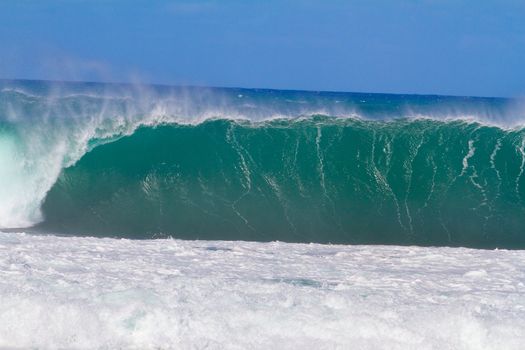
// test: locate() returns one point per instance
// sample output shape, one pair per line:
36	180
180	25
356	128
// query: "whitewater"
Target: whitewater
165	217
86	293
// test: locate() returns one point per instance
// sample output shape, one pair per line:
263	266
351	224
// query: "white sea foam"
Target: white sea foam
87	293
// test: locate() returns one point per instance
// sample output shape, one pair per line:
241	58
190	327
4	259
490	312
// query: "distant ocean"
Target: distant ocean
222	188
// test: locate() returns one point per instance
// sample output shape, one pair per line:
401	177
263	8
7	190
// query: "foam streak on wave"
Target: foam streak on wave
521	150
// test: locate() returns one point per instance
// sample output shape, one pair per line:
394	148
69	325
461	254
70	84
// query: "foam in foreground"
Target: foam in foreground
59	292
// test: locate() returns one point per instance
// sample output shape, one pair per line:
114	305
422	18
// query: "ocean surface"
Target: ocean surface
158	217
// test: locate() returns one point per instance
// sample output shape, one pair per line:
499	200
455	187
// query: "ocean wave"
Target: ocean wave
195	163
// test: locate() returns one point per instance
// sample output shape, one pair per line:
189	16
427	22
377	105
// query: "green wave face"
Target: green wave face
320	179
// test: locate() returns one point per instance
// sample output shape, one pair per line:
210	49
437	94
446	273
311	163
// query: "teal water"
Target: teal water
233	164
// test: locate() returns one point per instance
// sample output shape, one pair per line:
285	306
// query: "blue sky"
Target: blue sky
401	46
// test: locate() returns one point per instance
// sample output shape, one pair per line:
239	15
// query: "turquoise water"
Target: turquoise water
234	164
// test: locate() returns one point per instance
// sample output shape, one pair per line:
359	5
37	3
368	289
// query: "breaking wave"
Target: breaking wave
234	164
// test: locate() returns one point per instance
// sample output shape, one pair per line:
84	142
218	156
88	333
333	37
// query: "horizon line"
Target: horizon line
167	85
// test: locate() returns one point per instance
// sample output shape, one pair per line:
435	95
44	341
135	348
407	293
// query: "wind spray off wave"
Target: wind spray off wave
261	165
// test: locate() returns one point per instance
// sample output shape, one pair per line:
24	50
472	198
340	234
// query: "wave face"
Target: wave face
320	179
232	164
